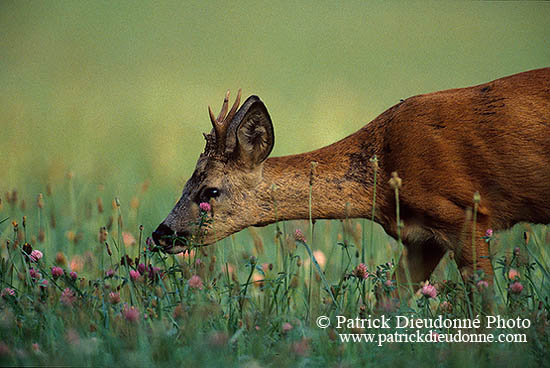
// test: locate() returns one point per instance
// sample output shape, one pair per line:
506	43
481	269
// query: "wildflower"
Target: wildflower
428	290
195	282
110	272
114	298
60	259
141	268
299	236
145	185
204	206
7	292
35	255
67	297
108	249
128	239
395	181
130	313
27	249
153	272
446	307
40	200
100	207
57	272
35	274
35	347
73	275
134	275
320	257
286	327
374	162
103	234
126	260
41	235
71	235
294	282
361	271
44	283
482	284
516	287
77	263
489	233
257	280
229	268
388	283
477	197
513	274
186	254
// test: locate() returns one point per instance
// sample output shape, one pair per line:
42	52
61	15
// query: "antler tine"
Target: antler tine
234	108
221	116
218	128
221	123
212	117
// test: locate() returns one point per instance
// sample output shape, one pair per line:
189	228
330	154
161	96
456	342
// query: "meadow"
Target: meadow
83	286
103	106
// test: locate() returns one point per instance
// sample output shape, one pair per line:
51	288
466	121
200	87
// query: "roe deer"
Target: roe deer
492	138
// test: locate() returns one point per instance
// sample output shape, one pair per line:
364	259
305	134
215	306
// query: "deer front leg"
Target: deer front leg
420	259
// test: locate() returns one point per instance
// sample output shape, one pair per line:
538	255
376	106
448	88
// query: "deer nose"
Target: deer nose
161	235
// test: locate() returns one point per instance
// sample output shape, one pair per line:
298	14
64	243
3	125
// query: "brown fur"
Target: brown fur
492	138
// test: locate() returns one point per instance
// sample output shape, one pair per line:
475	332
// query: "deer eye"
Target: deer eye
209	193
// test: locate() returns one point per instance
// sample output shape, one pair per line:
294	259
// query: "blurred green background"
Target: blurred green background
117	92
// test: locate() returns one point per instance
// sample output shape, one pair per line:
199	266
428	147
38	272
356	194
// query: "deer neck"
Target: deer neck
336	181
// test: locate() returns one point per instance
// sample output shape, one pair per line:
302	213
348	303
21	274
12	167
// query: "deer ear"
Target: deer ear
250	137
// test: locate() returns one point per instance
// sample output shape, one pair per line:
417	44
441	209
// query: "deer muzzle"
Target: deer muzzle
170	241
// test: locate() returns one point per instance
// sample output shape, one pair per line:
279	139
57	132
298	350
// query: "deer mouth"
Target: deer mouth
170	241
174	244
179	242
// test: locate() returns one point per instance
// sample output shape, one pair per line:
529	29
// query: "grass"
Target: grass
244	301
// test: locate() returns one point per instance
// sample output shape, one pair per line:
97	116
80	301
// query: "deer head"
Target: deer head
227	176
